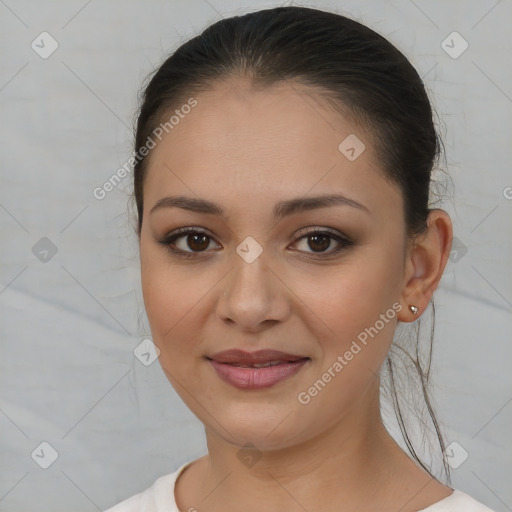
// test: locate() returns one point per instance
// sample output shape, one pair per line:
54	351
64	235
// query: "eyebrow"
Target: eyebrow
281	209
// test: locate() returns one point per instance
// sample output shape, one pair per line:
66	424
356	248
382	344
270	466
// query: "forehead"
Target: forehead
233	116
281	138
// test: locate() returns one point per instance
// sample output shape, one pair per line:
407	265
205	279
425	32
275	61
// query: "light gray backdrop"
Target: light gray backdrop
71	306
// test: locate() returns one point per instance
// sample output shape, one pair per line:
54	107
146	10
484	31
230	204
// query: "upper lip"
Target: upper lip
259	356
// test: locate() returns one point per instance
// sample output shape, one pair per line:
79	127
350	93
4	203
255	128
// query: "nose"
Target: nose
253	296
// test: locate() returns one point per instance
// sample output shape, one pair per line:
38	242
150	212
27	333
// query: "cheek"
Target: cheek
165	295
351	312
350	296
355	308
176	302
167	301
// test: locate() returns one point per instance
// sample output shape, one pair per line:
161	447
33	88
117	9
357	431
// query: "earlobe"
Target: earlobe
425	263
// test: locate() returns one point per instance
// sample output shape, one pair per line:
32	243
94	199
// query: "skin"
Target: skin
246	150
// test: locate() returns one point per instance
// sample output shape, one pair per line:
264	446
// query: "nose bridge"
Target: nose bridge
251	294
249	280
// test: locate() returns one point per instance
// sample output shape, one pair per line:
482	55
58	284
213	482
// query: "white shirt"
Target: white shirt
160	498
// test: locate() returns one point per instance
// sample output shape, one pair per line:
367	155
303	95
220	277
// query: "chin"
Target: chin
266	427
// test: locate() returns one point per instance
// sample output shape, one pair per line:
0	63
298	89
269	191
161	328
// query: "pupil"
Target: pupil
315	238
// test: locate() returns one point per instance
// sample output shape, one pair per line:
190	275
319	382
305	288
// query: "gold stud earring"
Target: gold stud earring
413	309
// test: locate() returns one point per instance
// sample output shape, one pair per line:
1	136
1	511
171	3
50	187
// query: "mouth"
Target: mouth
257	359
260	365
256	370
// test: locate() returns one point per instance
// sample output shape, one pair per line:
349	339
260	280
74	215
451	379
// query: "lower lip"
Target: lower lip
257	378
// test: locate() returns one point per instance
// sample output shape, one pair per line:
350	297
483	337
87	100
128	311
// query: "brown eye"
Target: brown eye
186	241
320	241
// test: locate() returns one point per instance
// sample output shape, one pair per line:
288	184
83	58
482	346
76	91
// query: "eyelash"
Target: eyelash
169	240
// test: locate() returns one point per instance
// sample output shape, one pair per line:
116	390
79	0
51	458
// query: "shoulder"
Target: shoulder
458	501
159	497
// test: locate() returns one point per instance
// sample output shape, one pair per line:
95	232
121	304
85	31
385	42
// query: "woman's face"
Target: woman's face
328	301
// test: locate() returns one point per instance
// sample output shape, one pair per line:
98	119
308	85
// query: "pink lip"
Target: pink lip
247	378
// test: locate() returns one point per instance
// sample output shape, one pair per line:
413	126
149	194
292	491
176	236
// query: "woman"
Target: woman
282	173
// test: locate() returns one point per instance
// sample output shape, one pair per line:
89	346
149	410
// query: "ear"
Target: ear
425	262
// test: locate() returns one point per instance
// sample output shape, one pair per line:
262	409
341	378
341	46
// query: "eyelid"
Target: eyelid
183	231
320	229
